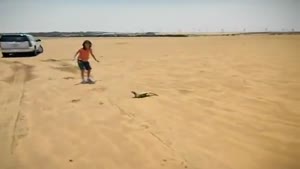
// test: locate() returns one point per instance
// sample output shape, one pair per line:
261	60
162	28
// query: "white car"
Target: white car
20	43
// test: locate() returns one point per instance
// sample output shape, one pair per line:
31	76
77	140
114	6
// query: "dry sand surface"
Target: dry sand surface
224	103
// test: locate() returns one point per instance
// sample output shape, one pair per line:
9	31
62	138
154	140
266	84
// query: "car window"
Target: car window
13	38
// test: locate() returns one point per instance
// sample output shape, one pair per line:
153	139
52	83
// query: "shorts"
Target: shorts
84	65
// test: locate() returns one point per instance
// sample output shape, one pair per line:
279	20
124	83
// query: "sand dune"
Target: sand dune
224	103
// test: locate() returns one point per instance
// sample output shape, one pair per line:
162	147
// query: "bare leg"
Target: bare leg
82	75
88	74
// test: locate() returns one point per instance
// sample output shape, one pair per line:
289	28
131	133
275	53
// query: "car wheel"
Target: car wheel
5	54
41	49
35	52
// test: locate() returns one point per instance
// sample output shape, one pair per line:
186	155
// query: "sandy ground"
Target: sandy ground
224	103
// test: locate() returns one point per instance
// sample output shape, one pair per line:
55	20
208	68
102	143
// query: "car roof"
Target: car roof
15	34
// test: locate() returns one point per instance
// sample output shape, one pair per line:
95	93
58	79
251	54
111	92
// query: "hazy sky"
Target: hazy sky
149	15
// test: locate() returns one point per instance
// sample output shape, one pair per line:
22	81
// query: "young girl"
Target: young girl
83	60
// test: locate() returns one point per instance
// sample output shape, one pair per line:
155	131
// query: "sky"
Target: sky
149	15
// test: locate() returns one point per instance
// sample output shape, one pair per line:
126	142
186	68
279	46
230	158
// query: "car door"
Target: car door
14	42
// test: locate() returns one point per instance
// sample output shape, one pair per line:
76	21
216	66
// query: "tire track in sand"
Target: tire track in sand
12	121
176	156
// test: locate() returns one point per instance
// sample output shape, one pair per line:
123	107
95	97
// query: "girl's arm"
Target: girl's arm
93	55
76	54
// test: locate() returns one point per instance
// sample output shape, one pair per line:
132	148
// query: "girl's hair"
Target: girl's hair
87	42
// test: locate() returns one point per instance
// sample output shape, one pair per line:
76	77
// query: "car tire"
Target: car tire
41	49
35	52
5	55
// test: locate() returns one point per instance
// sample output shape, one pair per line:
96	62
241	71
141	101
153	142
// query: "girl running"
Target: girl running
83	56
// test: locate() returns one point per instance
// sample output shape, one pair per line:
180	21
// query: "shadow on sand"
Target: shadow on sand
21	55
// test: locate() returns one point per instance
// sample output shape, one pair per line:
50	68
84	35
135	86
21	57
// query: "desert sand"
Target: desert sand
224	103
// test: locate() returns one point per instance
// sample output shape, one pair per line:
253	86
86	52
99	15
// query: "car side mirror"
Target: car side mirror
38	40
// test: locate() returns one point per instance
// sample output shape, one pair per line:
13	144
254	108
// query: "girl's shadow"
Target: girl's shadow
87	83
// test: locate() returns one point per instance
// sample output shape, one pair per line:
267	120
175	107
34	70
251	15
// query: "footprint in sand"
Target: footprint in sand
69	78
184	164
50	60
75	100
184	91
163	162
145	126
100	89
